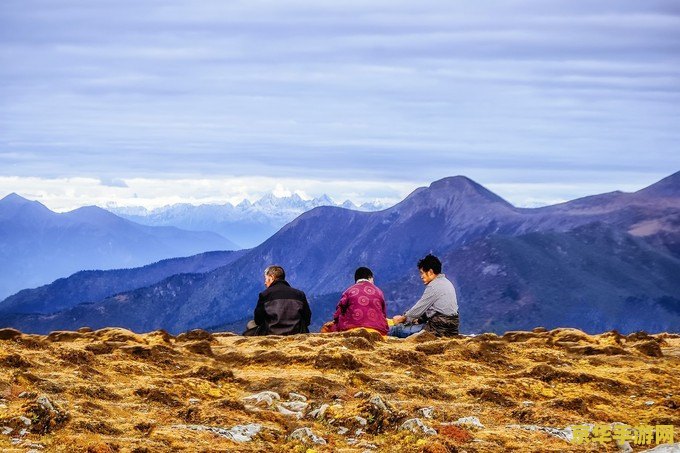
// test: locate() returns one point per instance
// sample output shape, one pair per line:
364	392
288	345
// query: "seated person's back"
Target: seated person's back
362	305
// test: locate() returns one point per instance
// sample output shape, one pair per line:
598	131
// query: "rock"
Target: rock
649	403
470	422
426	412
342	430
238	433
362	421
288	413
664	448
564	434
44	416
377	401
417	426
625	448
194	401
265	398
320	412
295	406
9	334
292	396
25	420
306	435
527	403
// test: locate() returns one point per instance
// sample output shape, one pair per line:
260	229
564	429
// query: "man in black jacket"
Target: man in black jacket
281	309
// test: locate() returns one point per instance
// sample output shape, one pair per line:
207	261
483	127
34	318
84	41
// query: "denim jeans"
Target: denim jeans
404	330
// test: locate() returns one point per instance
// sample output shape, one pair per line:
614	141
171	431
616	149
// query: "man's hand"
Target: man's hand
399	319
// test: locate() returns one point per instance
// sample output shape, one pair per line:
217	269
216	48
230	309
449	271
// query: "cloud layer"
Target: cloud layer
521	92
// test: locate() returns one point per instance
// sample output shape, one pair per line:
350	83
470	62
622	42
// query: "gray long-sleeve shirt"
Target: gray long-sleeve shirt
439	297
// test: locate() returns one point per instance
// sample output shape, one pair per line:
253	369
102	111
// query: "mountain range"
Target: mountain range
607	261
38	245
247	224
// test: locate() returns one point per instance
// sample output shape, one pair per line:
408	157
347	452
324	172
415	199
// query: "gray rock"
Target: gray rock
417	426
306	435
194	401
238	433
320	412
665	448
362	421
288	413
564	434
472	422
295	406
625	448
263	398
527	403
342	430
44	402
25	420
5	430
426	412
292	396
378	402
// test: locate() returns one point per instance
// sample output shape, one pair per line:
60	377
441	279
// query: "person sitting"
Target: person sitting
281	309
437	309
362	305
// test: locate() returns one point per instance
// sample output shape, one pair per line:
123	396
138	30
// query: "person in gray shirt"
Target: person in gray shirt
437	309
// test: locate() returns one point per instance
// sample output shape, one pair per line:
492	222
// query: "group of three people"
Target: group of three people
284	310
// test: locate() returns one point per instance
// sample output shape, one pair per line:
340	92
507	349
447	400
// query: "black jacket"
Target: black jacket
282	310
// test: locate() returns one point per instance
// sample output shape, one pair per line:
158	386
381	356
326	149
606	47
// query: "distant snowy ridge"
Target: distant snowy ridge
246	223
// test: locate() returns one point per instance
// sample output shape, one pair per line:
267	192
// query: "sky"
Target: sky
158	102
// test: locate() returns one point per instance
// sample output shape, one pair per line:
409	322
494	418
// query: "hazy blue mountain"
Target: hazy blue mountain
90	286
248	224
585	263
38	245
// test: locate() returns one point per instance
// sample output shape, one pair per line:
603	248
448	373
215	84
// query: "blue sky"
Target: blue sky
166	101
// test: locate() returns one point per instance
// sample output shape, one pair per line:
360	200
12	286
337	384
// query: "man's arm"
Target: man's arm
426	300
342	306
260	315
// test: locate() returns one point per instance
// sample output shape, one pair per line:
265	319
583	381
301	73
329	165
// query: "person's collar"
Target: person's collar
280	281
363	280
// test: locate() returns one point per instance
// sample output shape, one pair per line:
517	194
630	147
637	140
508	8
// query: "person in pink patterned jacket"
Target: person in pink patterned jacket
361	305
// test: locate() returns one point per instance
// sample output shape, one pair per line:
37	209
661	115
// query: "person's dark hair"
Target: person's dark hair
362	272
430	262
276	272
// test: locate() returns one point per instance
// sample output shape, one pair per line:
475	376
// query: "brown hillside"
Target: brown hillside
114	390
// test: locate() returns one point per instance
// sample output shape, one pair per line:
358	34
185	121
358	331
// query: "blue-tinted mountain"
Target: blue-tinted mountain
91	286
38	246
574	263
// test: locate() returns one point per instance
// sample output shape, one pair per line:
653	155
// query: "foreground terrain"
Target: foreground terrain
114	390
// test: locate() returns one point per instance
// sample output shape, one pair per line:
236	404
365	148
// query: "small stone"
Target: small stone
470	422
362	421
45	403
194	401
292	396
359	432
625	448
649	403
26	421
342	430
359	394
416	425
288	413
320	412
263	398
295	406
5	430
378	403
527	403
306	435
426	412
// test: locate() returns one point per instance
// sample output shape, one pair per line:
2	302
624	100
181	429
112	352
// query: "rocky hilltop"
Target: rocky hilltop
113	390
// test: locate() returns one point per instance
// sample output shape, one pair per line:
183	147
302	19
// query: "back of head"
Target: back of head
362	272
430	262
275	272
